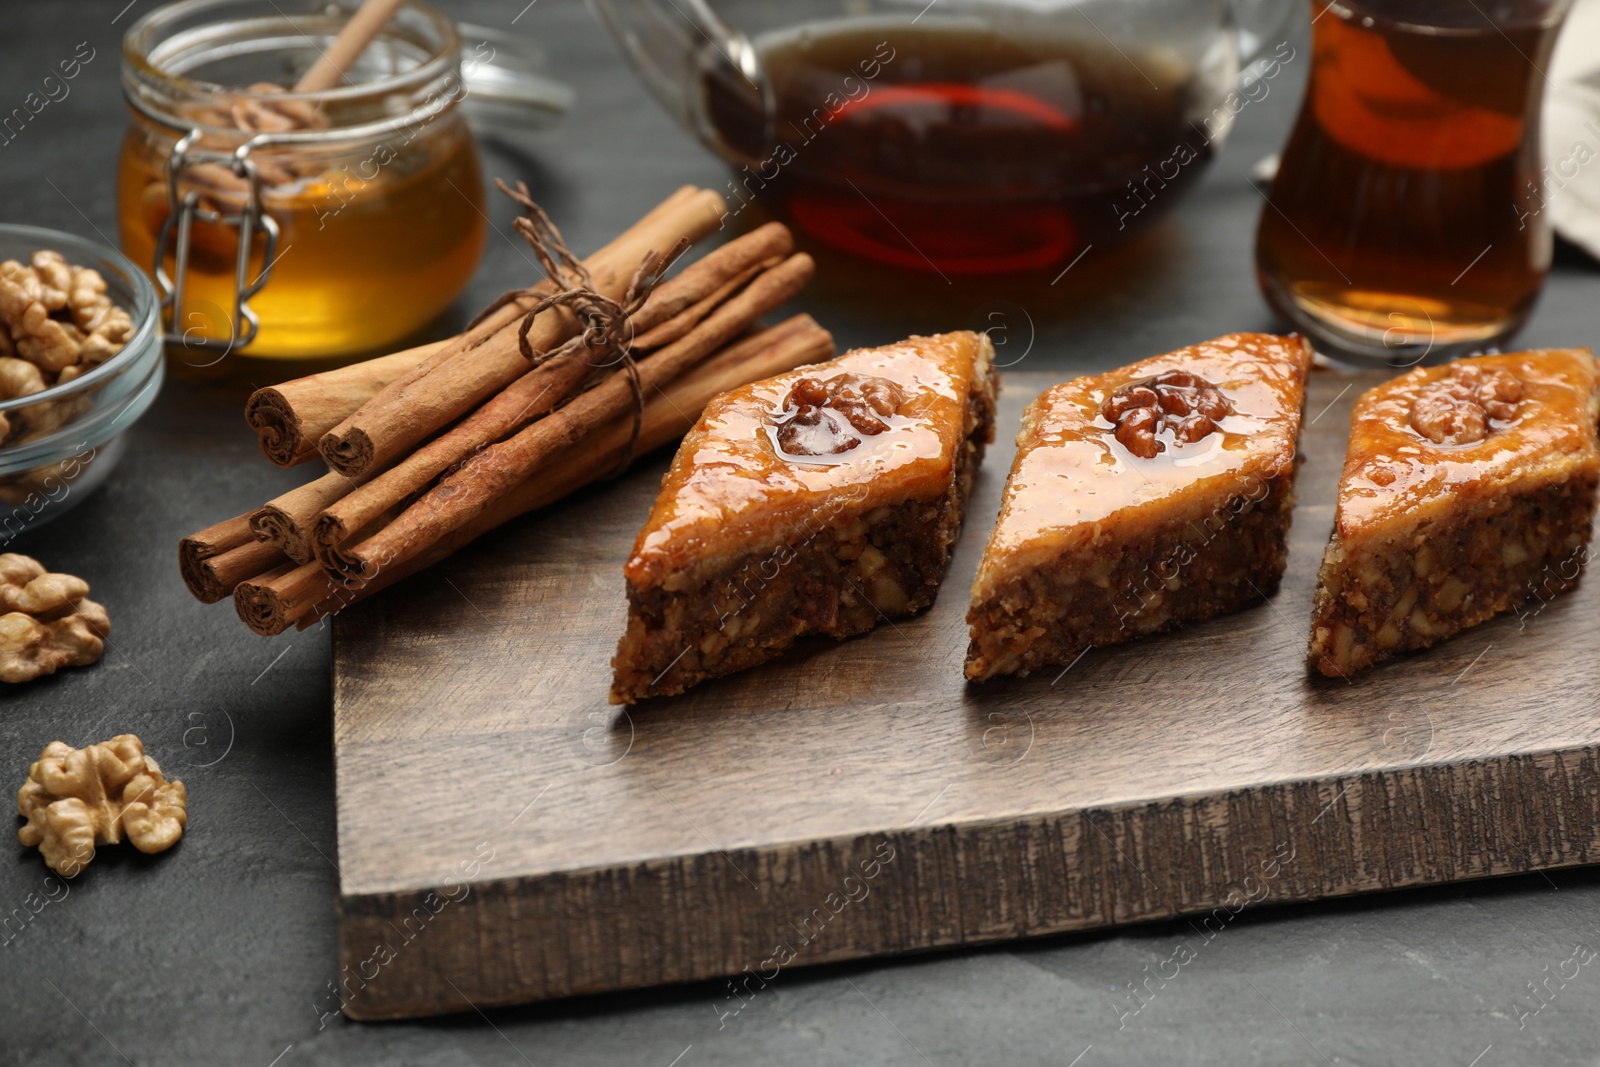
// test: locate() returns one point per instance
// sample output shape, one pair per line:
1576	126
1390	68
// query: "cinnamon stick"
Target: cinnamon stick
537	392
276	600
696	285
292	417
495	471
680	324
286	521
525	399
796	342
473	369
272	602
221	556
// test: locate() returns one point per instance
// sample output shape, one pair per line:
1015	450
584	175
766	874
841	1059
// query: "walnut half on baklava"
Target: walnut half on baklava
822	501
1468	489
1151	496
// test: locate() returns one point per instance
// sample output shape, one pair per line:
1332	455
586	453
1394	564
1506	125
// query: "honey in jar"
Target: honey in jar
374	188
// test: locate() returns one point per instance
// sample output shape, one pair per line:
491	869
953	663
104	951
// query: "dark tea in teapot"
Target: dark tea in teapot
961	149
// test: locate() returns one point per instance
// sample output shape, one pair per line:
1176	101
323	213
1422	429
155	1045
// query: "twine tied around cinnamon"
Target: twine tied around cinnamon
605	327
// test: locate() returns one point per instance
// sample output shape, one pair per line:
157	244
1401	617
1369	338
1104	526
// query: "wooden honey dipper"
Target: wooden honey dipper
364	25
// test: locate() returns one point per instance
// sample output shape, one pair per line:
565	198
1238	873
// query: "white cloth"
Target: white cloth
1572	130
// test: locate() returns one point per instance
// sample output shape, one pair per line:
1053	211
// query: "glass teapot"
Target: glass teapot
958	136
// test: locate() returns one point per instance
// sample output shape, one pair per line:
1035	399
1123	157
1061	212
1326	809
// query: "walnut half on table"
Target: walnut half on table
75	799
46	621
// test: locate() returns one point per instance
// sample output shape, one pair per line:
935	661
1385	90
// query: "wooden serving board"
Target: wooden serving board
505	835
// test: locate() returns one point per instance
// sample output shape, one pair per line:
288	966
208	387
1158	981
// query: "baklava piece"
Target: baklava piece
1151	496
1468	490
822	501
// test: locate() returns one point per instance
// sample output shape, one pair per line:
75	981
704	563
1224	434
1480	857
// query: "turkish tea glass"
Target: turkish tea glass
1404	223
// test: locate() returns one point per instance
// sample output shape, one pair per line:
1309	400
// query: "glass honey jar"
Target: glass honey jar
291	225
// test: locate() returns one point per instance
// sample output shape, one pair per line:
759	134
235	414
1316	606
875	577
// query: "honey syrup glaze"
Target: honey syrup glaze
825	417
1072	477
731	488
1394	472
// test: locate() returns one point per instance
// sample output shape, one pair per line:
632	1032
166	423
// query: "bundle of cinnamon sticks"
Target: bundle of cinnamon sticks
429	448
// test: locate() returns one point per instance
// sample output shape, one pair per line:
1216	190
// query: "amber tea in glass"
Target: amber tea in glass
1404	222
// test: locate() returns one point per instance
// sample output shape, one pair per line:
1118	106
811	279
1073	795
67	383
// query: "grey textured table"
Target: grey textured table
223	950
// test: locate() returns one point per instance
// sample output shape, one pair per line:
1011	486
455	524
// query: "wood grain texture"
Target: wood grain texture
572	847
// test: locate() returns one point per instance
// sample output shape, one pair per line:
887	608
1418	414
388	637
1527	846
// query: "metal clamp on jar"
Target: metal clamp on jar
361	205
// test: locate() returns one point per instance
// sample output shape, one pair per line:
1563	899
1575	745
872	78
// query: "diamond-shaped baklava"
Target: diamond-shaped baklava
822	501
1468	489
1150	496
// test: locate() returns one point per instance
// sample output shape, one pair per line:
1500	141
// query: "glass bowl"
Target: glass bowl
45	477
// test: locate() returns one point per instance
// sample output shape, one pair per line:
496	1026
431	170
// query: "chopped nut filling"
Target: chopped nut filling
1185	403
1460	408
825	417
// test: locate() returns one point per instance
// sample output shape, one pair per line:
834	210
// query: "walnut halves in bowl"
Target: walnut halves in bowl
75	799
58	316
80	360
56	323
